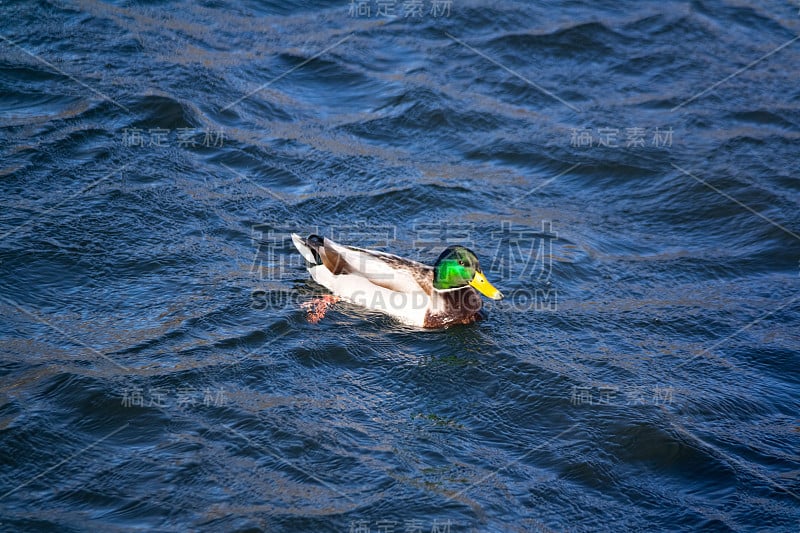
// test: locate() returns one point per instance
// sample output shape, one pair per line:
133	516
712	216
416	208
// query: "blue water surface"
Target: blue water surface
627	172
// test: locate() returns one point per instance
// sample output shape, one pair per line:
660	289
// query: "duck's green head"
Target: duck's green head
458	267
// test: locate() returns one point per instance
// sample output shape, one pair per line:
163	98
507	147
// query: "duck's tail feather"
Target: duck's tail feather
309	247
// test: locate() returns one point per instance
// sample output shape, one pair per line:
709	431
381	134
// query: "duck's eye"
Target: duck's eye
460	262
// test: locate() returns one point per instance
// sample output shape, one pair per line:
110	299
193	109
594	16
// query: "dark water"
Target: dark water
626	171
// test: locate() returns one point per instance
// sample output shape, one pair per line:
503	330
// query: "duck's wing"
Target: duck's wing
382	269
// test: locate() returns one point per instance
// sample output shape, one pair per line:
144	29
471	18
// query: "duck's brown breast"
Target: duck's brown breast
453	307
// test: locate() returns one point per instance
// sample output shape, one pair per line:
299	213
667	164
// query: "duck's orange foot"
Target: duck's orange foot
318	307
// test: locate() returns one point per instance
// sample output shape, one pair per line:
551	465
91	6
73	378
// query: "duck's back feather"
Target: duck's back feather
382	269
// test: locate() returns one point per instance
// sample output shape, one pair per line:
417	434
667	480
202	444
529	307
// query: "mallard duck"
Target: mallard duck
417	294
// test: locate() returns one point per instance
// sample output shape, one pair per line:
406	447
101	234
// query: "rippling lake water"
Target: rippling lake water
627	172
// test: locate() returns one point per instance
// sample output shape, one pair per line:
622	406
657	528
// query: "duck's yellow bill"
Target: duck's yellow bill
484	287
